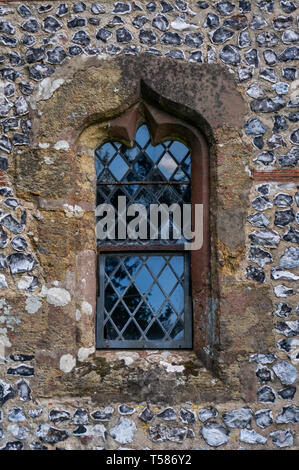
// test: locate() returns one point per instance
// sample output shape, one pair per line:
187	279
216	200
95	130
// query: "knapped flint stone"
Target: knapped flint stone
266	394
258	22
286	372
80	430
287	6
278	273
82	38
207	413
249	436
5	107
245	73
255	274
115	21
196	56
13	445
230	55
6	27
16	415
160	22
9	90
268	238
168	414
290	37
75	50
252	58
148	37
62	10
20	139
244	6
258	142
282	22
35	445
202	5
50	435
288	328
258	220
283	291
267	39
280	123
255	91
132	50
294	137
35	413
12	224
31	25
261	203
3	263
220	35
15	59
282	438
236	22
170	38
113	50
176	434
215	434
267	105
97	9
166	7
146	415
103	415
270	57
45	8
264	418
239	418
289	73
19	243
266	5
51	24
24	11
80	417
283	218
212	21
21	106
26	88
194	39
224	7
79	7
259	256
21	357
187	416
244	39
283	310
28	40
289	414
56	56
283	200
58	416
7	392
21	262
3	238
40	71
76	22
8	40
290	53
264	374
123	35
255	127
281	88
177	54
126	410
124	431
287	393
23	371
158	433
24	390
103	34
290	159
121	8
139	21
290	258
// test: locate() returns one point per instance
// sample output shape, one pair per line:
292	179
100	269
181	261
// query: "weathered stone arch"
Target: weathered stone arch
70	112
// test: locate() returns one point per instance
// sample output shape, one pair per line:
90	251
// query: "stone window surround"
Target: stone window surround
163	126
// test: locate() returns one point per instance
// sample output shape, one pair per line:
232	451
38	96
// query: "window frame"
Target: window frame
163	126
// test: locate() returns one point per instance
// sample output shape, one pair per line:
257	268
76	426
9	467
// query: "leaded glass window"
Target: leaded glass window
144	294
